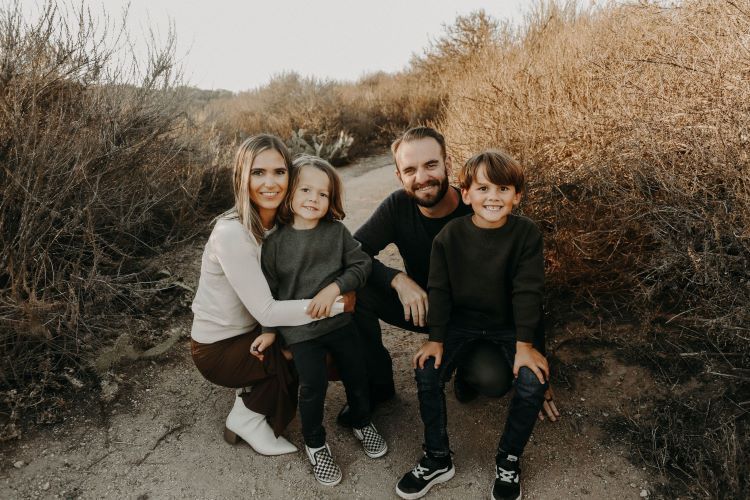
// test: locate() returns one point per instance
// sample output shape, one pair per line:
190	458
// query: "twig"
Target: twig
164	436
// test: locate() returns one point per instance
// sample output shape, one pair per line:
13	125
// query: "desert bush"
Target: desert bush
370	110
336	151
632	122
96	171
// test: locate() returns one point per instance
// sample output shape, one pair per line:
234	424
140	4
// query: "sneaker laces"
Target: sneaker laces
419	471
507	475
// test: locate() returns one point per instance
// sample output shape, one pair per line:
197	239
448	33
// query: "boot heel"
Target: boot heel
230	437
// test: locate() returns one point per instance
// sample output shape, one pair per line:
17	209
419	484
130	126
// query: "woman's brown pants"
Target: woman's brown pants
272	382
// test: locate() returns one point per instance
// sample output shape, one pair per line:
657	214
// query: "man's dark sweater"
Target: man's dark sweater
398	220
300	263
486	279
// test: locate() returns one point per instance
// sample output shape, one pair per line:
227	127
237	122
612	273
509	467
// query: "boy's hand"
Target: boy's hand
261	343
532	359
412	297
320	305
429	349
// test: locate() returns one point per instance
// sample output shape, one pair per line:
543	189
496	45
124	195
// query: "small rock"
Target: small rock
18	464
632	485
644	493
288	466
45	486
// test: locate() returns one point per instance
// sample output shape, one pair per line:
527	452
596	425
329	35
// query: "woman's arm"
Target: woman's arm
239	258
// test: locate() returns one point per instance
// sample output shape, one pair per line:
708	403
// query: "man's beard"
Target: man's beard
431	202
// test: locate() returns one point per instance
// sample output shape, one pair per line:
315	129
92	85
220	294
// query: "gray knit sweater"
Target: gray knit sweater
300	263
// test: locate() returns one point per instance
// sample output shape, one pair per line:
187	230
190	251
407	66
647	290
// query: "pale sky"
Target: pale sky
240	44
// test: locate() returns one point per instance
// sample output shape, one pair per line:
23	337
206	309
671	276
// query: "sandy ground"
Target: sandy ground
157	430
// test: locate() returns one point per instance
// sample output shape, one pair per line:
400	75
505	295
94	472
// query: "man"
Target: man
411	218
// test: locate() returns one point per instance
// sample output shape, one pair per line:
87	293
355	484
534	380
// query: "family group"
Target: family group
288	296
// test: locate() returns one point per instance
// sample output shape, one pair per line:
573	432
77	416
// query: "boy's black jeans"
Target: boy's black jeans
525	403
310	361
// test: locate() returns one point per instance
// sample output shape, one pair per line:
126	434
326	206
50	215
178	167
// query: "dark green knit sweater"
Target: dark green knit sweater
487	279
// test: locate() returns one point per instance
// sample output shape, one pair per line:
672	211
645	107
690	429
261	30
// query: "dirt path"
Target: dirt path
160	435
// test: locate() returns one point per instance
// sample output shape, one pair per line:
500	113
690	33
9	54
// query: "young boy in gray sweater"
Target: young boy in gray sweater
486	284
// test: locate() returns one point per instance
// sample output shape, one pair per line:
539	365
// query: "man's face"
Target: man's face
422	171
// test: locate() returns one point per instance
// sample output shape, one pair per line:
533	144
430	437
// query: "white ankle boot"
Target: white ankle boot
253	428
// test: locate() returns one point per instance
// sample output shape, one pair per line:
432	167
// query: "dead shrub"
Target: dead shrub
95	173
370	110
633	123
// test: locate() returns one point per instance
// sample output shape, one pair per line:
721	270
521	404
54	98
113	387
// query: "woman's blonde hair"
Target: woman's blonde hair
244	209
335	196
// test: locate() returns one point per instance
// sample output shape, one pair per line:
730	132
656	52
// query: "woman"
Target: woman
233	300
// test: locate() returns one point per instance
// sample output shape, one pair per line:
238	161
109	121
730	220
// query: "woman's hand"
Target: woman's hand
320	305
532	359
261	343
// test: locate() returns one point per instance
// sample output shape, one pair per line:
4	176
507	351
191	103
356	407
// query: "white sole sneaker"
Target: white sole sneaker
445	476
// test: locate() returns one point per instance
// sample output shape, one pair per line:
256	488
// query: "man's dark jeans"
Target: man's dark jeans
373	304
525	403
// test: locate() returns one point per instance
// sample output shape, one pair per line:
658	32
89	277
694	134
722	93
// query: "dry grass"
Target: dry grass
370	109
634	125
96	171
632	120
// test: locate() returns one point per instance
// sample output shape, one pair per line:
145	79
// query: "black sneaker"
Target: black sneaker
463	391
372	442
507	479
428	472
324	468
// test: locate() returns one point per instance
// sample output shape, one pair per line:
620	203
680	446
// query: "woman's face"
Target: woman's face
269	178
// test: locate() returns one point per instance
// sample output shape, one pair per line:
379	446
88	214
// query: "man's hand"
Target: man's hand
532	359
412	297
320	305
549	407
261	343
429	349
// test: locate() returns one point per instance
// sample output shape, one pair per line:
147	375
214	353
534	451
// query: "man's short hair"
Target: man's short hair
415	134
501	169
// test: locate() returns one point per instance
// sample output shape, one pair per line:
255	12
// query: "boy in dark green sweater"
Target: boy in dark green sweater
485	285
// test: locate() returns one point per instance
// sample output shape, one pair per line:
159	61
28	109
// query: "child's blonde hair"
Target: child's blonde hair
335	188
501	169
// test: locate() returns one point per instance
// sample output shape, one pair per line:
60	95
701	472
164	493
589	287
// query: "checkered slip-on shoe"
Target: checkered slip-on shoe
324	468
372	442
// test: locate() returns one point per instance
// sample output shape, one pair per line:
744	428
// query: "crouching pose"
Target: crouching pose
233	297
485	285
314	254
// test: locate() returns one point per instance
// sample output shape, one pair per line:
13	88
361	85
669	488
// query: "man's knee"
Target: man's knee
528	386
488	371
